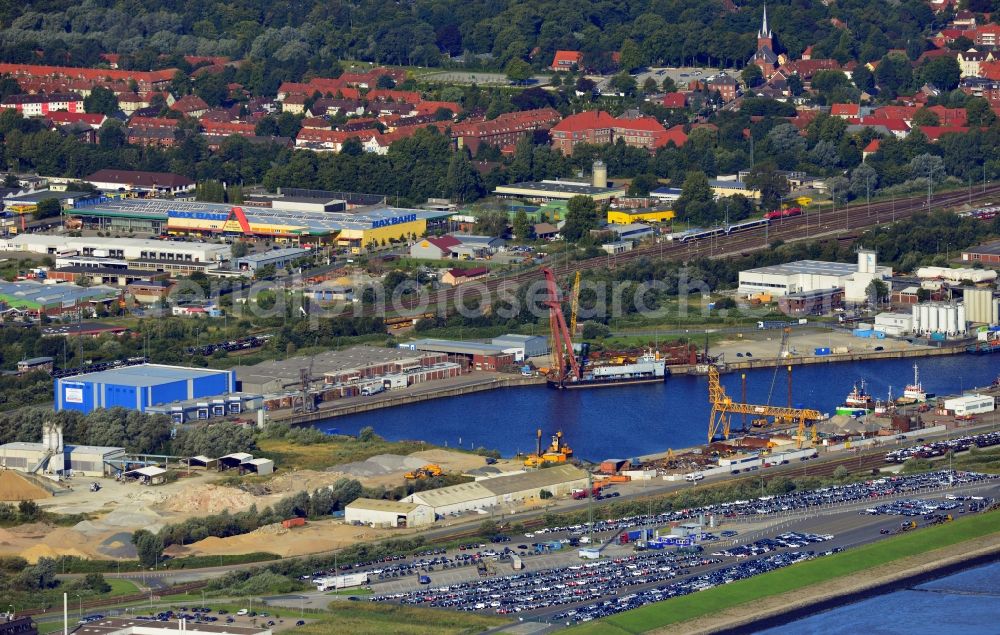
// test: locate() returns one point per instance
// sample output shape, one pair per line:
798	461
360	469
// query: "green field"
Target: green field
795	577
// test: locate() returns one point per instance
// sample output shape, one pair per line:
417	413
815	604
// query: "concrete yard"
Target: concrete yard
802	342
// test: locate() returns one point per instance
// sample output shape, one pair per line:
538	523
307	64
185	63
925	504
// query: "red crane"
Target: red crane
563	357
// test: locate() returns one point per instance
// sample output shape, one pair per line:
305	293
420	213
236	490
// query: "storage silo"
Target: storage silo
925	318
963	324
600	174
951	315
915	309
933	325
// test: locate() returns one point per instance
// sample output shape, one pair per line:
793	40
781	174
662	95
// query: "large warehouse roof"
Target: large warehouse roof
380	505
287	370
30	293
454	494
143	375
457	348
808	267
548	477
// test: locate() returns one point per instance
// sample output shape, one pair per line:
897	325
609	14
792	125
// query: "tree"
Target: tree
491	223
942	72
643	184
925	117
923	295
894	74
581	217
101	101
927	166
979	113
96	583
771	184
544	494
649	86
367	434
863	79
841	472
462	180
112	135
239	249
751	75
148	546
631	56
27	511
585	85
877	291
523	229
696	201
385	82
518	71
47	208
864	180
624	84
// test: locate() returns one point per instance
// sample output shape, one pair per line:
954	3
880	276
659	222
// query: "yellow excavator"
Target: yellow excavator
557	452
426	471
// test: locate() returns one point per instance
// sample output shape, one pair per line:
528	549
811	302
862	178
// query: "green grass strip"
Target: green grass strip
794	577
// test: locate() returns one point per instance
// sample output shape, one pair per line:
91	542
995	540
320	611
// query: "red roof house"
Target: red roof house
567	60
675	100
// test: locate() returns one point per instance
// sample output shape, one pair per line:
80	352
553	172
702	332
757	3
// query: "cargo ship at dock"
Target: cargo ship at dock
648	368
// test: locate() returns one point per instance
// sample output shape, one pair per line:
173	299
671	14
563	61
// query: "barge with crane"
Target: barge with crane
569	372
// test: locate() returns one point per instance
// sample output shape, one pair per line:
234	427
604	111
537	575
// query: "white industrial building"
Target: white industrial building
894	324
51	456
523	346
510	489
944	318
125	248
980	306
956	275
970	405
812	275
387	513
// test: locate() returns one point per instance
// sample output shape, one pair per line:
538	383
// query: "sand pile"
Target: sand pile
381	465
450	461
305	480
14	487
209	499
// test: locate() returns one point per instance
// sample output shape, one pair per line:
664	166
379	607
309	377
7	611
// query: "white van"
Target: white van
694	476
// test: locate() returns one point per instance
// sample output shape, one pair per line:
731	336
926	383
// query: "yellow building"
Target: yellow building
626	217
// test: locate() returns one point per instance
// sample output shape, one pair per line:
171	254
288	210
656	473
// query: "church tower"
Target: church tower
764	37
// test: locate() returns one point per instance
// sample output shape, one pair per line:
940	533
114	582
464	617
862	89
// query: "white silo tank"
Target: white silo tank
943	311
600	174
925	318
915	309
995	310
963	324
952	315
932	319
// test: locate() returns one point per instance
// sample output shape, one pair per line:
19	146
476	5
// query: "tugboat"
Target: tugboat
885	408
914	392
858	402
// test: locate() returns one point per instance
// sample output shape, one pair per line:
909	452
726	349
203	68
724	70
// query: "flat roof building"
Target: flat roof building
278	258
387	513
526	345
139	387
803	275
469	354
123	248
549	190
36	298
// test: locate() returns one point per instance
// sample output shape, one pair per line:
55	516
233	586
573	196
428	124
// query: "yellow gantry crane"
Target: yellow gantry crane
723	407
575	306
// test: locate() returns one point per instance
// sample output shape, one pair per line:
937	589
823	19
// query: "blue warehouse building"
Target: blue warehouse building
140	387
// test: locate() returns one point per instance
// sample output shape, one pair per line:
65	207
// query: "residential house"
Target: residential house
456	277
295	104
503	131
434	247
675	101
870	149
725	84
969	61
42	104
567	60
190	106
63	118
599	127
137	181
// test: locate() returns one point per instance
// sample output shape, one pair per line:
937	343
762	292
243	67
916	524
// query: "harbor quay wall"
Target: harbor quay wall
802	360
388	400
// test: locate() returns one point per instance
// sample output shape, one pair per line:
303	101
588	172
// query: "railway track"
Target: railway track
843	223
121	599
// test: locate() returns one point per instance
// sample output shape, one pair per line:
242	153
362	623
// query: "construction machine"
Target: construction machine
557	452
575	304
427	471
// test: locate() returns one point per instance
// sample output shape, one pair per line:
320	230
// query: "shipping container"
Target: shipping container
293	522
823	351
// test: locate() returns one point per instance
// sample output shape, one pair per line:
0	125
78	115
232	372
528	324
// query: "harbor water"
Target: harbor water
628	421
967	602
